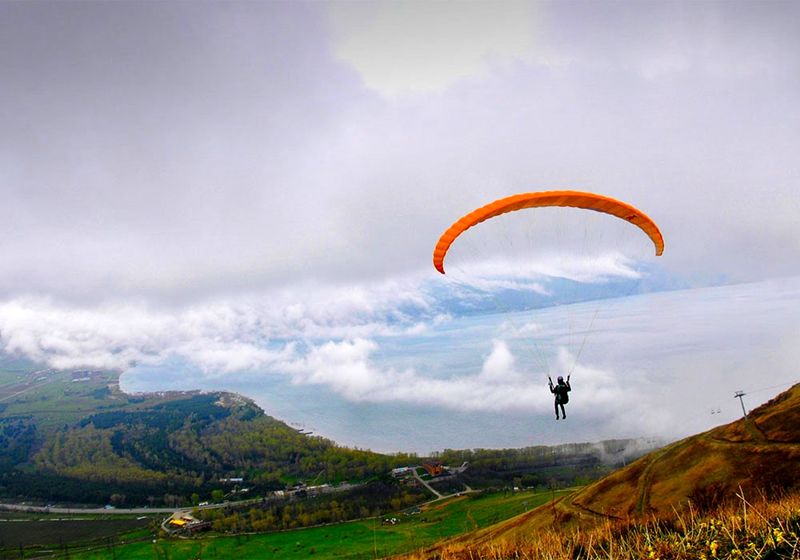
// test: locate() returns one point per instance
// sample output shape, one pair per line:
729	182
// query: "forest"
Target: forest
164	452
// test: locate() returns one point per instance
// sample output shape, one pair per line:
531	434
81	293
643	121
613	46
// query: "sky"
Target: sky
224	194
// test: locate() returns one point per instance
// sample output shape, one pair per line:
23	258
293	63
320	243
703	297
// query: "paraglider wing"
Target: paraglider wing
574	199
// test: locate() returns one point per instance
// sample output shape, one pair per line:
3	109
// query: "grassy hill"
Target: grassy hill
758	454
757	458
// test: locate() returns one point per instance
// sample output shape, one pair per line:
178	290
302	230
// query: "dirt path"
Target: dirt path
572	507
643	486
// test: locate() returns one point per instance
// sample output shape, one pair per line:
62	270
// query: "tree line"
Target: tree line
163	454
372	499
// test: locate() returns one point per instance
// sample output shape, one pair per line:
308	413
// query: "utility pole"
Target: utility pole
739	395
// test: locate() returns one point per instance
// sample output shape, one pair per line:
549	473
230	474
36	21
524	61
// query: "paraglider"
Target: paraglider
572	199
560	391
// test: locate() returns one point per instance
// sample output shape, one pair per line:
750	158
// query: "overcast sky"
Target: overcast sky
259	186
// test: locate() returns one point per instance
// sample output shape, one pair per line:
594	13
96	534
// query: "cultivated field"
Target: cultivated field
40	534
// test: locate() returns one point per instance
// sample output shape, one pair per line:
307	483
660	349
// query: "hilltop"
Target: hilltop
754	457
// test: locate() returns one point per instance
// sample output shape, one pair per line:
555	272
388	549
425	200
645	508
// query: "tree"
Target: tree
117	499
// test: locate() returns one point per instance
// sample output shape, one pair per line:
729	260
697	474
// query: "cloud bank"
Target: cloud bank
352	348
179	153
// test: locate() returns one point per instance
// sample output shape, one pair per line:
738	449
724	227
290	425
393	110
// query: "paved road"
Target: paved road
128	511
145	510
118	511
425	484
439	495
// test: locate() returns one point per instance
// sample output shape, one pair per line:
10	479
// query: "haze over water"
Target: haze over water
653	365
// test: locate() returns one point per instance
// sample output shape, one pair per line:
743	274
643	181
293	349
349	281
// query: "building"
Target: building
434	468
184	522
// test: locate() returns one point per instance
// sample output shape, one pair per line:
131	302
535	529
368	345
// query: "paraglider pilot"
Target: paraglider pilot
560	391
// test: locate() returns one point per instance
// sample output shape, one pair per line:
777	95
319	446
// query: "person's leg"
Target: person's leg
557	410
563	412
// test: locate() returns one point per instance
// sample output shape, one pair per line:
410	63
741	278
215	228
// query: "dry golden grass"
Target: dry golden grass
761	452
741	530
650	509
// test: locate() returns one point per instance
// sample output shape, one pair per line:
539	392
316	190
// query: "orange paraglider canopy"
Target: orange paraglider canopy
574	199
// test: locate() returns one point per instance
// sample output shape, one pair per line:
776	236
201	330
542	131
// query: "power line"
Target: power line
771	387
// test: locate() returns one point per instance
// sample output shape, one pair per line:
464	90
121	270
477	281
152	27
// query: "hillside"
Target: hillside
73	436
759	455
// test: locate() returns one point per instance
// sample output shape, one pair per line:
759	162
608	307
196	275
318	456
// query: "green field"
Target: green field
354	540
53	398
44	532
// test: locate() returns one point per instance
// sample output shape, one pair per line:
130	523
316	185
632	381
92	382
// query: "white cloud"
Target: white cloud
245	333
417	46
491	273
604	386
348	369
499	365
